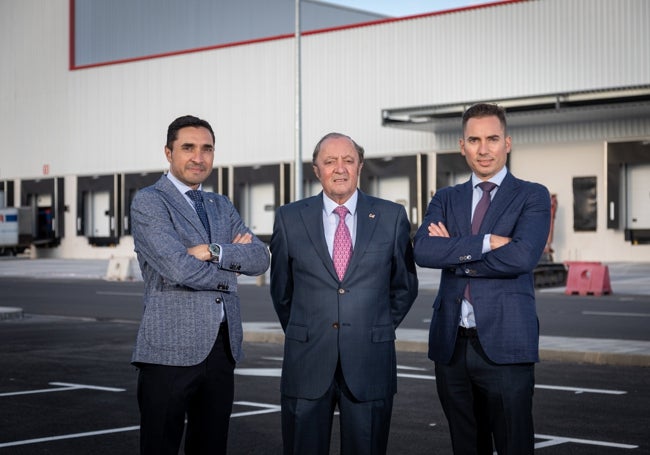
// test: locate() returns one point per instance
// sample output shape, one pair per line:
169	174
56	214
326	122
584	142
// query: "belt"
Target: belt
467	332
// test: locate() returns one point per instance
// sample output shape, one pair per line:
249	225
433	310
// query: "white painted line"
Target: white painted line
579	390
416	376
402	367
266	409
264	372
63	387
277	372
86	386
67	436
614	313
557	440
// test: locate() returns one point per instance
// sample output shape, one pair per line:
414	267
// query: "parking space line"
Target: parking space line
63	387
416	376
557	440
276	372
578	390
265	409
67	436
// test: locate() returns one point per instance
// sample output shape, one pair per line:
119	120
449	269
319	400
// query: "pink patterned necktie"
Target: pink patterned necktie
477	219
342	250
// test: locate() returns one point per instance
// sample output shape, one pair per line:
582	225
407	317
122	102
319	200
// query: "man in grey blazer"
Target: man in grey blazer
484	331
340	322
190	246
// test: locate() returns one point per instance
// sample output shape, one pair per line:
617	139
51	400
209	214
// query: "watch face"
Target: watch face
214	250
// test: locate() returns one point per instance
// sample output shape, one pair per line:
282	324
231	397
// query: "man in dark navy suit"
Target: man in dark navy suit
484	332
339	318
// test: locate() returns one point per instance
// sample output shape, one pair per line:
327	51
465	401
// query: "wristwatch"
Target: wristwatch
215	252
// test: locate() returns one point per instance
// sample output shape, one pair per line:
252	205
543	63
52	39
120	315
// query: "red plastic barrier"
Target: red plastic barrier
587	278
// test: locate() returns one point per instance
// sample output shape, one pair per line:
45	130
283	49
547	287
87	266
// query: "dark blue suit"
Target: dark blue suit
502	288
340	329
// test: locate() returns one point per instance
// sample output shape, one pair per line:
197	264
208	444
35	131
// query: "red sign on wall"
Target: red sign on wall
46	169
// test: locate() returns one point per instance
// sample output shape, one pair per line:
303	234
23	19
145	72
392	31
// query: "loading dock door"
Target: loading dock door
396	189
638	196
97	219
98	202
258	207
46	199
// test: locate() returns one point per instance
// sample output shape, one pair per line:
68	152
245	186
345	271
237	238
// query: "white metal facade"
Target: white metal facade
113	118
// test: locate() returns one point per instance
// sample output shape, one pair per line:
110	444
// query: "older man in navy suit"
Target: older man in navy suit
484	330
191	246
342	279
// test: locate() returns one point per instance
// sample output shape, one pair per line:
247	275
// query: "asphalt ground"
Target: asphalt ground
605	329
66	387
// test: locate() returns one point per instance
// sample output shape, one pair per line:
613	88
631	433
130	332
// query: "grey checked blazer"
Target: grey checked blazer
182	295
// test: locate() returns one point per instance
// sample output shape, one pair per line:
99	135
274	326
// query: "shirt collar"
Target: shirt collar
351	204
180	186
497	178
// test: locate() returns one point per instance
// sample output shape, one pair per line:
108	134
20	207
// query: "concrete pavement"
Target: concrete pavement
626	278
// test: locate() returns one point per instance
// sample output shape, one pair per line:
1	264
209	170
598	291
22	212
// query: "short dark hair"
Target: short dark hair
480	110
183	122
357	147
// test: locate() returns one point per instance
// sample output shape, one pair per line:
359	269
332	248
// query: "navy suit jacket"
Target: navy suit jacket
502	287
324	319
183	295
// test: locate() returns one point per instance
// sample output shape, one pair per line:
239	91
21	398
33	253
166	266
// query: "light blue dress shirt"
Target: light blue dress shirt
467	310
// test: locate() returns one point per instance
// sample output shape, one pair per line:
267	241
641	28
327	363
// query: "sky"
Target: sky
399	8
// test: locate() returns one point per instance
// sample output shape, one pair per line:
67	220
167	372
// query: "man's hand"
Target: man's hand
438	230
497	241
243	238
202	253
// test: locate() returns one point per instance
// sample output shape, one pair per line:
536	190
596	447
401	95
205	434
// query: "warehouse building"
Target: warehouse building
87	89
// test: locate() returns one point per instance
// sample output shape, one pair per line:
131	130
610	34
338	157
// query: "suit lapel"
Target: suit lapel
177	201
462	207
502	198
367	220
312	217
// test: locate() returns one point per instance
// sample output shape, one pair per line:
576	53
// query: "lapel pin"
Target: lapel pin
371	216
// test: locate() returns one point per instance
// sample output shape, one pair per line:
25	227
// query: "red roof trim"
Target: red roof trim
73	66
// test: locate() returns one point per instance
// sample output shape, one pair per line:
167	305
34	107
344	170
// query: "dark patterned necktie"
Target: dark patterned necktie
342	250
197	198
482	206
477	219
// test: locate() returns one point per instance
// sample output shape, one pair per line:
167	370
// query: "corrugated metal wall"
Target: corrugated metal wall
112	119
521	49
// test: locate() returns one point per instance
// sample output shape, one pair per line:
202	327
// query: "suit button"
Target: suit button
467	271
217	300
341	291
335	325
